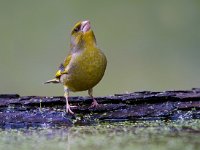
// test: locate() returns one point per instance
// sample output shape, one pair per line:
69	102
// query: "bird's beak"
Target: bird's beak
85	26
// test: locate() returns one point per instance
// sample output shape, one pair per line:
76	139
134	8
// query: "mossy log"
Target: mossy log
36	111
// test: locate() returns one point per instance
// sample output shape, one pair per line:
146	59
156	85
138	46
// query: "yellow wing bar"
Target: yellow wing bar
63	66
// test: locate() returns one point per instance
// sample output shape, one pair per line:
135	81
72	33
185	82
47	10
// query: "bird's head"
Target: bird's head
82	35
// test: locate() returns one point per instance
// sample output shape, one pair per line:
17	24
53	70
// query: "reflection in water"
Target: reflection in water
68	141
182	134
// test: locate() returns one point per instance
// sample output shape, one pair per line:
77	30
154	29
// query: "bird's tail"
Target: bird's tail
55	80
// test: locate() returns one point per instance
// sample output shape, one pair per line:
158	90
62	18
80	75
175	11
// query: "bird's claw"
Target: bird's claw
68	110
94	104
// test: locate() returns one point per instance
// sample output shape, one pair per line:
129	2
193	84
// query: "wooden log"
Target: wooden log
36	111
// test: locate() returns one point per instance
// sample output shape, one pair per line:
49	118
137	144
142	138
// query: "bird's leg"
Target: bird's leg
94	103
66	94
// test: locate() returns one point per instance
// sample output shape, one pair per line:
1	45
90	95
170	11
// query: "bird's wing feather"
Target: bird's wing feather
62	67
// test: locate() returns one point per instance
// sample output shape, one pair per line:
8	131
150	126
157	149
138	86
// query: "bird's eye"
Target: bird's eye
76	29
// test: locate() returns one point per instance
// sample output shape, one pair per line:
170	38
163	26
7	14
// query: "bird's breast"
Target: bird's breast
85	69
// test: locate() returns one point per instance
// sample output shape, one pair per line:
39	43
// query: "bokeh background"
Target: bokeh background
150	45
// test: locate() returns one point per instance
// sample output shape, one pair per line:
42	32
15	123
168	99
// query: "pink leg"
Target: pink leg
66	94
94	103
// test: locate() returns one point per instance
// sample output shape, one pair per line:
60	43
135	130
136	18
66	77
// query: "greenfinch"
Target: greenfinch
84	66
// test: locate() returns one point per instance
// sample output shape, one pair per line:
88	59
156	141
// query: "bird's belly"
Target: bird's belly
85	73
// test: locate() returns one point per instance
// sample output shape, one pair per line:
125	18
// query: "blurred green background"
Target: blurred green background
150	45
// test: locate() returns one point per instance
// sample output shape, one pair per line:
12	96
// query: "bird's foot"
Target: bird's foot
94	104
68	110
73	106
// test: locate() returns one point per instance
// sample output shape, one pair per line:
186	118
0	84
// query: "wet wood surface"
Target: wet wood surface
35	111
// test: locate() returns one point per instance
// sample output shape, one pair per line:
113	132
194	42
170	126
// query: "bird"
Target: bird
84	66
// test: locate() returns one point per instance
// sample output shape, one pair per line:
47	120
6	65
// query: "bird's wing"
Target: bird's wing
62	67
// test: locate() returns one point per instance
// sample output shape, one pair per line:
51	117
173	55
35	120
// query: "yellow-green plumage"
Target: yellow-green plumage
85	64
85	69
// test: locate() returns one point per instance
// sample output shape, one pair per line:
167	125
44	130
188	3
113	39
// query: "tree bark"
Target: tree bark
36	111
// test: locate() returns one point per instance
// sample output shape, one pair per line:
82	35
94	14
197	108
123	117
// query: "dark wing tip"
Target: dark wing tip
62	67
